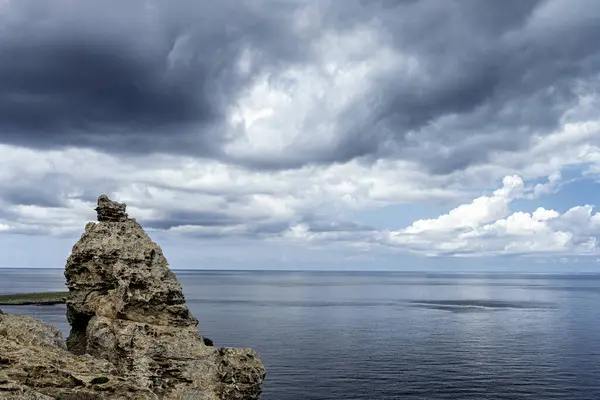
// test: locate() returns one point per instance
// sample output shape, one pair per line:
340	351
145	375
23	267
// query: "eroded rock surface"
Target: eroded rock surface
110	211
35	364
129	319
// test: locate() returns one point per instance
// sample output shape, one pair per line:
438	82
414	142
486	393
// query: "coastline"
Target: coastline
38	298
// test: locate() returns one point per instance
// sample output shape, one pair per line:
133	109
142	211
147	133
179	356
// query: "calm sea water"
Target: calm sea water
336	335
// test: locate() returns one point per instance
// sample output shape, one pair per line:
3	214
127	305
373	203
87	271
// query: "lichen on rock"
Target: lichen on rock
127	310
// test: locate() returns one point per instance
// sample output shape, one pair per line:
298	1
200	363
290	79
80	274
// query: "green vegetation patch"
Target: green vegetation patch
23	299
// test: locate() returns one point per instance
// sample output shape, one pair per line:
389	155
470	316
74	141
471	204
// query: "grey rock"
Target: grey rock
30	331
126	306
110	211
132	335
34	364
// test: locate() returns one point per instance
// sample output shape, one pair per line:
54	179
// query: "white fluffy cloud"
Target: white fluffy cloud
290	113
483	209
487	227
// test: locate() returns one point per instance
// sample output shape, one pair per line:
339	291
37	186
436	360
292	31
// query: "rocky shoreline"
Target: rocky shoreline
132	335
39	298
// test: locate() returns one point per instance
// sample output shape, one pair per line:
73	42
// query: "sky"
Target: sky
306	134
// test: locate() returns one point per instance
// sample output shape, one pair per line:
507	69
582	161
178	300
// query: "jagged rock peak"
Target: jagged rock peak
110	211
126	306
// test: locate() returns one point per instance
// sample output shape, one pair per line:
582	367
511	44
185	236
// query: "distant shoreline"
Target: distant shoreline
40	298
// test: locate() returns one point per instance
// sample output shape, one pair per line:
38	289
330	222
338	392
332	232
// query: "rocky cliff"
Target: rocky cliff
132	335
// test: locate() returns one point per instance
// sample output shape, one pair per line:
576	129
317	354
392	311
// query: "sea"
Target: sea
391	335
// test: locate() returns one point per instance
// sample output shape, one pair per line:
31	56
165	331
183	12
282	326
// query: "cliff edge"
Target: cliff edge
132	335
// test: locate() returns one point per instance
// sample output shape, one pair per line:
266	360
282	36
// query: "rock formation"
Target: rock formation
110	211
130	327
35	364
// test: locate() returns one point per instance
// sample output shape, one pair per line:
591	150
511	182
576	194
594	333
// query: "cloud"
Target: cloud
482	209
486	79
198	197
161	79
486	226
280	85
53	191
279	121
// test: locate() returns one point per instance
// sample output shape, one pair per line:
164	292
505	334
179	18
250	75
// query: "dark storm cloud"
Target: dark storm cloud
135	76
156	76
46	190
192	218
52	189
77	94
221	224
32	196
492	74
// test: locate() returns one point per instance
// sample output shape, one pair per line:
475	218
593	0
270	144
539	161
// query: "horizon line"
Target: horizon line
349	270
